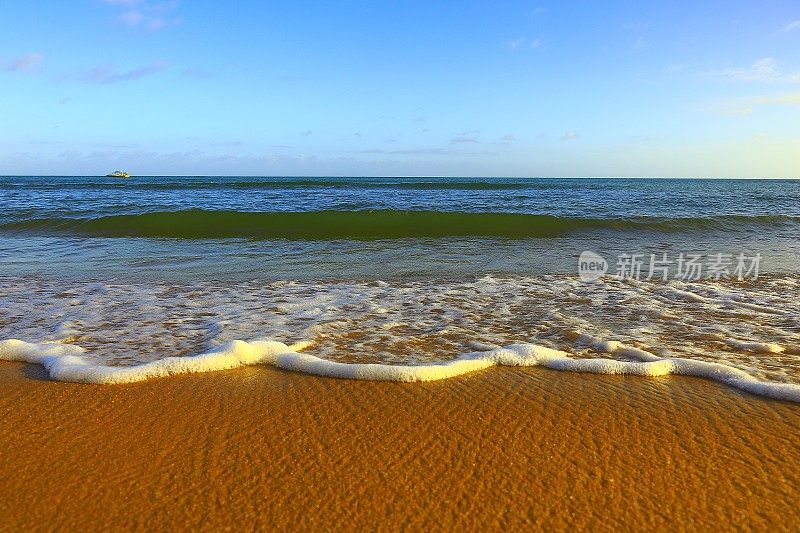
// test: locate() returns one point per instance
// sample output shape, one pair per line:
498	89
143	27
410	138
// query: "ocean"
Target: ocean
112	280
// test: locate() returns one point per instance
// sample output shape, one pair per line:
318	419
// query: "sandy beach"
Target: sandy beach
268	449
399	266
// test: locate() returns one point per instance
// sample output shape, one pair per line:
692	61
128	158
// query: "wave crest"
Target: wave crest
65	362
366	225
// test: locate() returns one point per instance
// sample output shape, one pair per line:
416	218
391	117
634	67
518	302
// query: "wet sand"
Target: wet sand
510	448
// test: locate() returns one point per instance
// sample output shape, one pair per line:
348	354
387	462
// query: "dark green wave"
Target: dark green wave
366	225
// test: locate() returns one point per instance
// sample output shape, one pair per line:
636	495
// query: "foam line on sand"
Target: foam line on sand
68	362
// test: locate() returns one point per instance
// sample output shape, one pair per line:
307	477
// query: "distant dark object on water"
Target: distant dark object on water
118	174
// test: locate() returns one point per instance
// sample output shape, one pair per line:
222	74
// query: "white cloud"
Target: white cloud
744	156
792	26
131	18
570	135
525	41
125	3
105	74
155	24
635	26
638	29
762	70
145	14
747	105
24	62
464	139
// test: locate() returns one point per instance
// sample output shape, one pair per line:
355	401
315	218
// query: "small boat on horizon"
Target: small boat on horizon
118	174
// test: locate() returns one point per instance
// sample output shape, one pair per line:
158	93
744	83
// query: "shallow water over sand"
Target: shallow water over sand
753	326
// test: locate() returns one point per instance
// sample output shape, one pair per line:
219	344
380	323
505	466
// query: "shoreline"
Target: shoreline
261	447
65	362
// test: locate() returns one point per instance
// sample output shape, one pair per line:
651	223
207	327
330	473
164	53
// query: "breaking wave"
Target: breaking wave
369	225
65	362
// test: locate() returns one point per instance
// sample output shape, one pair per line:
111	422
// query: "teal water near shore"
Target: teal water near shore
235	227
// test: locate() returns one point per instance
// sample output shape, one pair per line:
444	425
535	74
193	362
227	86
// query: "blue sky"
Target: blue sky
400	88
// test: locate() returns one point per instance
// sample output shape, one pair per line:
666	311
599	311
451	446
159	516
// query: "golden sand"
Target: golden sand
263	448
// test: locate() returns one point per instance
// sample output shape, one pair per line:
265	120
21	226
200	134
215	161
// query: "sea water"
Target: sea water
108	280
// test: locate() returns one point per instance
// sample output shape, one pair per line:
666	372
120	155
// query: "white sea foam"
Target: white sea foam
66	362
686	295
761	347
408	331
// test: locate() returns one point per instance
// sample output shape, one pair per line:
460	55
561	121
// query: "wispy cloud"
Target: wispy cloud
762	70
23	63
156	23
105	74
570	135
640	138
635	26
291	78
792	26
638	29
747	105
125	3
131	18
464	139
506	140
422	151
523	42
145	14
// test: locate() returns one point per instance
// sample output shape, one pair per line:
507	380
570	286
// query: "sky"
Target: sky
397	88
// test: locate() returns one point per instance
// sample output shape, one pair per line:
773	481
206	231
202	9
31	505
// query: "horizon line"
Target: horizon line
390	176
